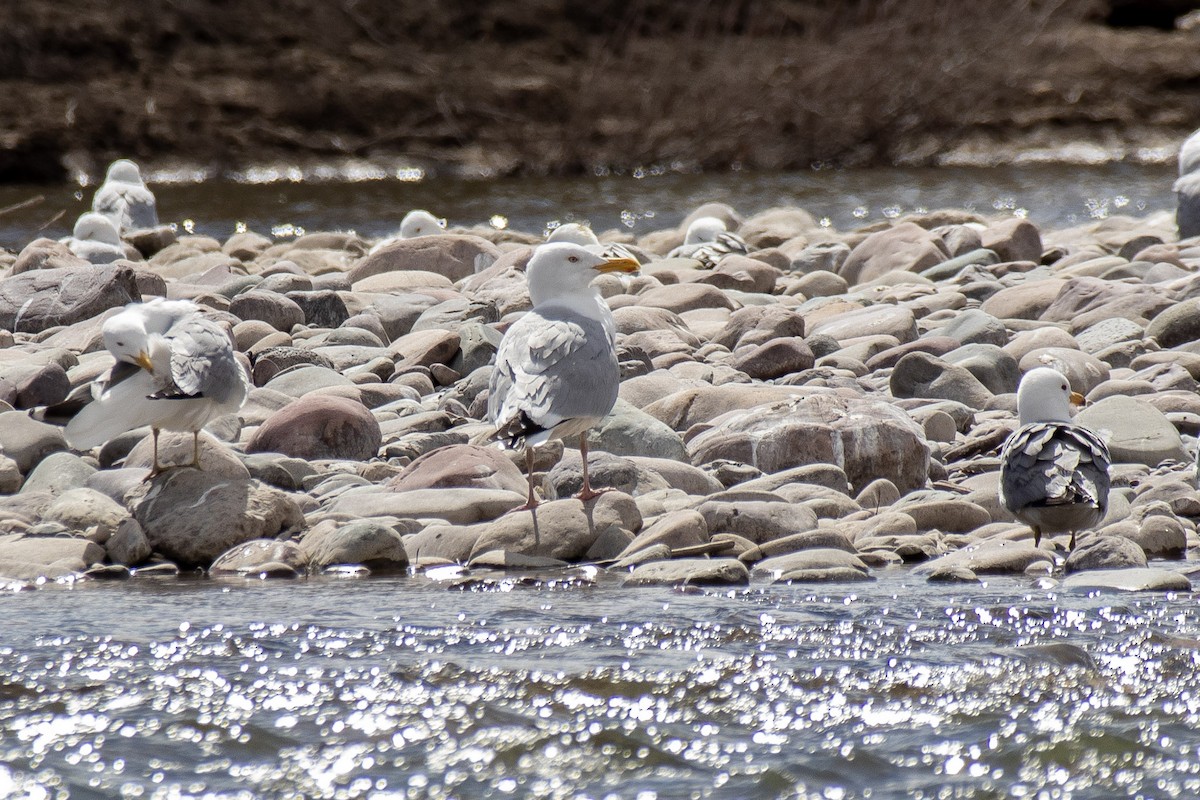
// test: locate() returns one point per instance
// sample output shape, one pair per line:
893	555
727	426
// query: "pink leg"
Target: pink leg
586	492
531	502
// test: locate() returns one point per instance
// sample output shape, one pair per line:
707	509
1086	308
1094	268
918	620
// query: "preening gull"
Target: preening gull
95	239
125	199
556	372
708	241
175	371
1187	188
1053	474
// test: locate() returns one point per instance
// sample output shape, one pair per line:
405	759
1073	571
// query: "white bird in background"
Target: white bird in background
95	239
175	370
582	235
416	223
125	199
1187	188
556	372
708	241
1053	473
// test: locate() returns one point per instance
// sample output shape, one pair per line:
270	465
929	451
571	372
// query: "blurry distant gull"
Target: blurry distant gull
175	371
125	199
708	241
582	235
95	239
1053	474
556	372
416	223
1187	188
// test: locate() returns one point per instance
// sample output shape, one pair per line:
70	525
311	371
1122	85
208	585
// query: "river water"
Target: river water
568	685
1054	195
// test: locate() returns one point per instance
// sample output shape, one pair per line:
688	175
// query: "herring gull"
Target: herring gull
1053	473
708	241
1187	188
416	223
95	239
556	372
125	199
175	370
582	235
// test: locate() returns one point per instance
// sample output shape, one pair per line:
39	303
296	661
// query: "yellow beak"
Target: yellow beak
619	265
1077	399
143	361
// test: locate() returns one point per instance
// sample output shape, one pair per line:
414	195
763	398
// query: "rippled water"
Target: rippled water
575	687
1051	194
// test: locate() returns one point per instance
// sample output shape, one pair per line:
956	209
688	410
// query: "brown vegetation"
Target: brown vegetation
565	85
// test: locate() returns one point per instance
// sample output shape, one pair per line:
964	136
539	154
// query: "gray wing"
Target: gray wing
201	360
1049	463
130	206
552	365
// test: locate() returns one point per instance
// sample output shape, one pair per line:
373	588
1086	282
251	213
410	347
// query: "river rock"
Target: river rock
757	521
675	529
929	377
57	473
92	514
274	309
467	465
775	359
629	431
558	529
690	572
34	301
457	506
755	325
32	557
1027	300
878	320
323	308
1136	432
31	384
319	426
454	256
1129	579
990	557
1104	552
1013	239
866	438
906	246
371	544
234	511
808	565
262	558
27	441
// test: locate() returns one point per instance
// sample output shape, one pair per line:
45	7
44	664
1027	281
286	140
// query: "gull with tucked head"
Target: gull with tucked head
1053	473
708	241
125	199
556	372
175	370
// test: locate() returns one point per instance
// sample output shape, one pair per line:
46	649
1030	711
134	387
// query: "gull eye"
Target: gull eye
573	259
1064	387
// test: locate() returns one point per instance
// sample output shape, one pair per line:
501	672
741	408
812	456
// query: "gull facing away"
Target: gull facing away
95	239
556	372
1053	473
1187	188
175	371
582	235
708	241
125	199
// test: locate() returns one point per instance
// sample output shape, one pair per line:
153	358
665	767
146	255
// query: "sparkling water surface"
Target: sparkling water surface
1053	195
569	686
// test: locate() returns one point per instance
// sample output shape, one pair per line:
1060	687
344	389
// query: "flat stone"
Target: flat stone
1132	579
690	572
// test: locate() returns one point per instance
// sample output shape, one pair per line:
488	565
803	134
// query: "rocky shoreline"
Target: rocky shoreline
825	408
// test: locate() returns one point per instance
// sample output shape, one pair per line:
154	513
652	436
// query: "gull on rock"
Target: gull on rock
416	223
175	370
582	235
556	372
95	239
708	241
1187	188
125	199
1053	473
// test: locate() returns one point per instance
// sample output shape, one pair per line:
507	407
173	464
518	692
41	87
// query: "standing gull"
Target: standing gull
125	199
556	372
175	371
1187	188
1053	473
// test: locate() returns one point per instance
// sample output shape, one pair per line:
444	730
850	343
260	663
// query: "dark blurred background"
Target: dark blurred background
568	86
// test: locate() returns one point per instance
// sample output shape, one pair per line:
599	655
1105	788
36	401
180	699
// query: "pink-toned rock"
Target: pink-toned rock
468	465
319	426
1013	239
454	256
906	246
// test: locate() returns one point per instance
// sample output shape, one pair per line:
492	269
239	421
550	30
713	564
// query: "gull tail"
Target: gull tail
121	408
